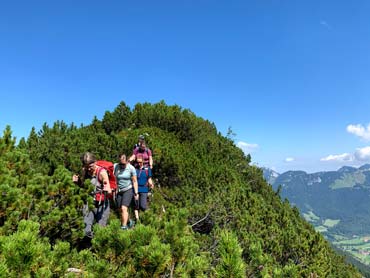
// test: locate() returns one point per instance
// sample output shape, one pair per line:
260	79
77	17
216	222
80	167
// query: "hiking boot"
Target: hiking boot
89	234
131	224
124	227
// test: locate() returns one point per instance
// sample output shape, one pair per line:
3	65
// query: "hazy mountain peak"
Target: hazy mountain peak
364	167
347	169
270	175
296	172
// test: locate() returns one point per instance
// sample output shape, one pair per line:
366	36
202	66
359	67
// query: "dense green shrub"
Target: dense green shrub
212	213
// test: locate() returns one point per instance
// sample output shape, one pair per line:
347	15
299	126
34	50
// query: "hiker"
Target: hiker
144	179
145	153
127	188
140	140
99	178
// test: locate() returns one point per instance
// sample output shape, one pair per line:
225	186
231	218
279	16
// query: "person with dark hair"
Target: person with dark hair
127	188
99	178
140	140
144	179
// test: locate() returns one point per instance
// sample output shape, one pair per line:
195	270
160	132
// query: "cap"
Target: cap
141	137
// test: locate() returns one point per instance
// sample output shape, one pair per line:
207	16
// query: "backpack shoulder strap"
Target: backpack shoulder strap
146	172
115	168
98	173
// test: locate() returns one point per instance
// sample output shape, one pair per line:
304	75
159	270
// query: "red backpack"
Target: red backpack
109	167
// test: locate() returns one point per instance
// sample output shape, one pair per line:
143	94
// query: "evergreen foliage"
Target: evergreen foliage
212	213
231	260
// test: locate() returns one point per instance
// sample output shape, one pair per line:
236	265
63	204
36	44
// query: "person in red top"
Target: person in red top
99	178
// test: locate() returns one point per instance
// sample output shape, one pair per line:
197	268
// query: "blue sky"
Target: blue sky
291	78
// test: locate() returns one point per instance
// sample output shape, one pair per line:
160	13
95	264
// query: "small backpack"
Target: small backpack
109	167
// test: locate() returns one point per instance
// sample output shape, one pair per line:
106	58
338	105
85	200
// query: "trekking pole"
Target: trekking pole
105	198
114	198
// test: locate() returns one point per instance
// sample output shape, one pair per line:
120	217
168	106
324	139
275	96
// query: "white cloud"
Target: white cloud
338	157
289	159
362	154
360	131
246	147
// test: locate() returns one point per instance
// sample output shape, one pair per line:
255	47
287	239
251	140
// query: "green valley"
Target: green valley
335	203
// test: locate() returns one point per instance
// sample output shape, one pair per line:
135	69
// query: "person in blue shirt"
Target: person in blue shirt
127	188
144	180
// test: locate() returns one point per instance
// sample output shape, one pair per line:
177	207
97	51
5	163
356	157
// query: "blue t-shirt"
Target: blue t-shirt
143	175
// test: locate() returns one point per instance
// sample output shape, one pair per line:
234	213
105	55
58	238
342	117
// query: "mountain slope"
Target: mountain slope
212	215
341	195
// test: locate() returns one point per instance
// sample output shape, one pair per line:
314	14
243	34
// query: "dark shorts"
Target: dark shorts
142	204
125	198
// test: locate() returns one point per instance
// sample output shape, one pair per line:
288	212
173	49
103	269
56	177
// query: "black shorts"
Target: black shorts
125	198
142	203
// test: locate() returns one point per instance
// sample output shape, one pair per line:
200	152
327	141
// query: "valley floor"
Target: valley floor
357	246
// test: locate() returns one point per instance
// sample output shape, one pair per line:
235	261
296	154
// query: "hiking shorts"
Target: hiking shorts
125	198
143	201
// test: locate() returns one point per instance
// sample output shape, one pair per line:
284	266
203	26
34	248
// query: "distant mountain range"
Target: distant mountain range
334	202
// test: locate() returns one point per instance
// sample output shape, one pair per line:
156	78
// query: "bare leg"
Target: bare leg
124	215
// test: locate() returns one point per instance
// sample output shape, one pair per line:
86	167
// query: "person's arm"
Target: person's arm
134	182
136	188
104	178
151	162
132	158
150	156
76	178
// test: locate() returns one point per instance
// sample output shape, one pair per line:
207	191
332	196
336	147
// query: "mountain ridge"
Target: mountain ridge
335	202
208	218
271	175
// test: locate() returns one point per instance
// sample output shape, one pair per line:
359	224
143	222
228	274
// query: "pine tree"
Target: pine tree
231	262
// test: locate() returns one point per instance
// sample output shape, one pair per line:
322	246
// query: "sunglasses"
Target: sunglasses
89	165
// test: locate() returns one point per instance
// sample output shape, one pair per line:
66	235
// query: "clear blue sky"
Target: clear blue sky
291	78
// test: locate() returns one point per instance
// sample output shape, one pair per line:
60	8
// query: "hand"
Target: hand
136	196
75	178
107	189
